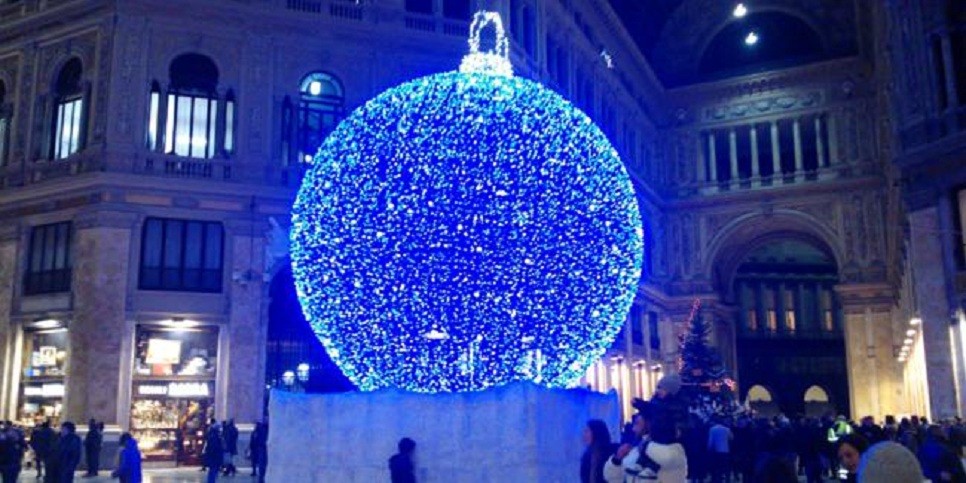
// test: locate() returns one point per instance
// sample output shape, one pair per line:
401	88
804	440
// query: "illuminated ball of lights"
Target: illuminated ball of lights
465	230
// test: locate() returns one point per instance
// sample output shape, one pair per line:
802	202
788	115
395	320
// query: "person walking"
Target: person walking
230	438
401	466
213	455
67	454
258	450
939	461
92	448
128	460
41	442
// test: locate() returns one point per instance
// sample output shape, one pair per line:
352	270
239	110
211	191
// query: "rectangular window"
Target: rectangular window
49	260
457	9
655	334
772	321
154	105
419	6
753	320
637	335
790	310
766	166
190	129
181	255
67	127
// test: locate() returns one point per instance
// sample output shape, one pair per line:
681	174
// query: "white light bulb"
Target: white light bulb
740	10
751	39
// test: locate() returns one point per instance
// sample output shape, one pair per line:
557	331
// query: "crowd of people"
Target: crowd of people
668	443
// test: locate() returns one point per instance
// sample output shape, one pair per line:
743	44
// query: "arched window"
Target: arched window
68	128
759	394
197	122
5	114
816	394
320	108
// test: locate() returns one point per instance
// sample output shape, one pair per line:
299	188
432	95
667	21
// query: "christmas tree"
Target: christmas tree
705	382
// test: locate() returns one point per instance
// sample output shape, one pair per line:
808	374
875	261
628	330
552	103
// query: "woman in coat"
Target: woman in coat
128	460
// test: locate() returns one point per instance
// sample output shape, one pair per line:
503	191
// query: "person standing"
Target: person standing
599	449
258	451
128	460
10	454
231	447
213	454
41	441
401	467
68	453
92	448
719	451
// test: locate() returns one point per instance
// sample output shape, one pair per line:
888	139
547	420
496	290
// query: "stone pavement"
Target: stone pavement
169	475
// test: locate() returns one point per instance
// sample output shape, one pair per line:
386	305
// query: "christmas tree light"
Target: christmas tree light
464	230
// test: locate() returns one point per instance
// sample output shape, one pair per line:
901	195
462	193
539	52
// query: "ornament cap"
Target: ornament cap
495	61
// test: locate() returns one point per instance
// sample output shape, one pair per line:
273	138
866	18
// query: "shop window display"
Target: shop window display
173	391
44	366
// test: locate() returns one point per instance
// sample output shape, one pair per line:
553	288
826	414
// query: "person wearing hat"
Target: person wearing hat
659	457
889	462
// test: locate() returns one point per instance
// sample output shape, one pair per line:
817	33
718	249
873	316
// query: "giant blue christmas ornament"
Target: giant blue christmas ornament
465	230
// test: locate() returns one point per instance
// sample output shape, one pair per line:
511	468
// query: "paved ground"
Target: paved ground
180	475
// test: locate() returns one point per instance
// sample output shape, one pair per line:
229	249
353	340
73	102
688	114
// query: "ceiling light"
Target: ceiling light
751	39
901	359
46	324
908	341
315	88
911	332
915	321
740	10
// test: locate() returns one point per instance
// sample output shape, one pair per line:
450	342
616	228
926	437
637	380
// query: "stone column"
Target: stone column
799	162
930	291
876	385
755	169
776	154
712	158
820	143
245	383
102	248
9	237
733	156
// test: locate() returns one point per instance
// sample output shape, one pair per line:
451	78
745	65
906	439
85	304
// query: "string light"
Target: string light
464	230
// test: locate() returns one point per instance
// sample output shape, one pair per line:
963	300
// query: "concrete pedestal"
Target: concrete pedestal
517	433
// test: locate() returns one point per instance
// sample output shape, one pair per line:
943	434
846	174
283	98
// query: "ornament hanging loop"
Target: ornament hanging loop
495	61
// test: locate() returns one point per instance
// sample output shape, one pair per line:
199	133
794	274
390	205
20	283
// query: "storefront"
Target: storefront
44	366
173	391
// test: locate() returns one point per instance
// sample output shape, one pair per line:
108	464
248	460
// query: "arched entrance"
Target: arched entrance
817	402
291	344
789	334
760	399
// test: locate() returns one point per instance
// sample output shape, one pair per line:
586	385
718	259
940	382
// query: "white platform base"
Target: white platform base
519	433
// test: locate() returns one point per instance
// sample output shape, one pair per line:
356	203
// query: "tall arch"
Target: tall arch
733	242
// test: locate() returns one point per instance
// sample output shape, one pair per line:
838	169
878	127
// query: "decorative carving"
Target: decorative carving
786	102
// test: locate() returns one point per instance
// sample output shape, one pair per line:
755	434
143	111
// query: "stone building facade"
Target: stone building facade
150	151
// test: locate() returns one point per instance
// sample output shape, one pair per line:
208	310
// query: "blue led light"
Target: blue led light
465	230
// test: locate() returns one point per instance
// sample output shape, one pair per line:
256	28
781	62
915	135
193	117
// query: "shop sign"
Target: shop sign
175	389
46	390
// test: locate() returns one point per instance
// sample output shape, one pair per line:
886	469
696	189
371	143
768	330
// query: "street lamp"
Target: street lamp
288	379
303	373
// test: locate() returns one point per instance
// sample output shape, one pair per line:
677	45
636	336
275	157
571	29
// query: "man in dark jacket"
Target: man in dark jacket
939	462
92	447
258	451
213	455
401	464
231	446
41	441
67	454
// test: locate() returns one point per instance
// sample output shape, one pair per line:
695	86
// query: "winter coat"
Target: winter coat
93	440
936	458
258	444
10	453
129	463
213	455
42	441
231	439
401	469
593	471
664	463
68	455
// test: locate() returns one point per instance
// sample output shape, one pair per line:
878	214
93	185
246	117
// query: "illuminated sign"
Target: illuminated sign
175	389
46	390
